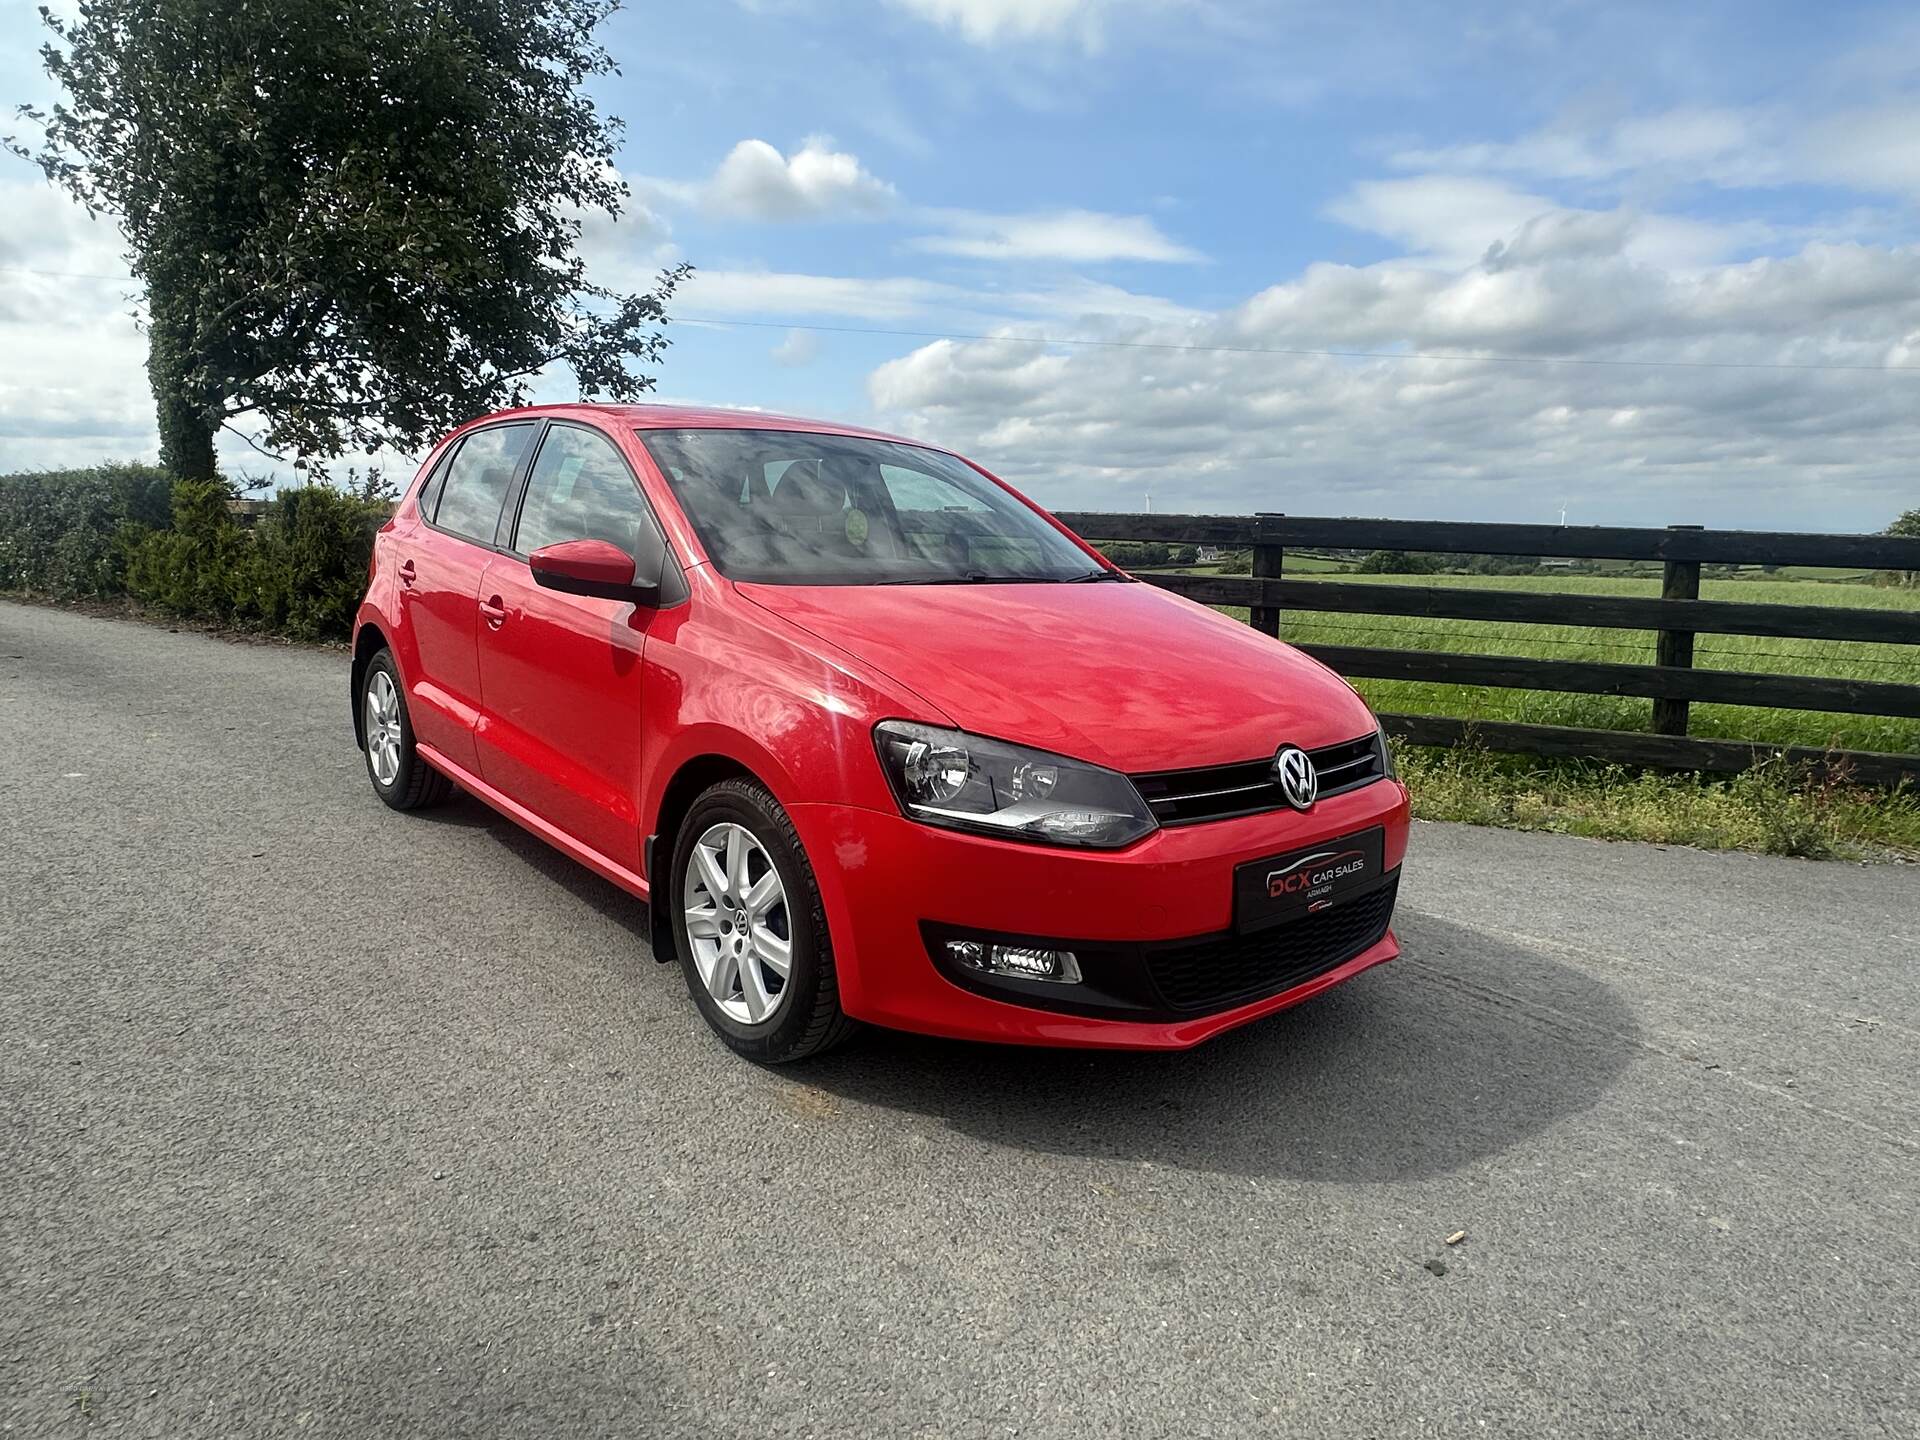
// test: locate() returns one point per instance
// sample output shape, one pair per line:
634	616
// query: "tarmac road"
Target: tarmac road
320	1119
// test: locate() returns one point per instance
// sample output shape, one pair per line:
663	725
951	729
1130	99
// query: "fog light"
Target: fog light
1025	962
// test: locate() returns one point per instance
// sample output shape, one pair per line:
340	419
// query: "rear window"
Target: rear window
430	492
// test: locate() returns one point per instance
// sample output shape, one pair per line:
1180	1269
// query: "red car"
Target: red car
880	739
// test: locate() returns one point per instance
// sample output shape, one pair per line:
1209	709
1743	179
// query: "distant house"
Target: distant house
1556	563
1208	555
245	510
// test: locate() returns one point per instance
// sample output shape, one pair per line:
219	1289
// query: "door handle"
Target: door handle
406	572
494	611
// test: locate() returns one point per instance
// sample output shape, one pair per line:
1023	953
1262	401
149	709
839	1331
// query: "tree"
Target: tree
1907	525
1503	565
356	221
1396	562
1134	552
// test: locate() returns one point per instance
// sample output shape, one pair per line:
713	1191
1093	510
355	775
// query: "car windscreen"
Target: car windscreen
791	508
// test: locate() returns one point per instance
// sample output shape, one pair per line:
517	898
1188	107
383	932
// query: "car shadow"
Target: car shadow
627	911
1461	1049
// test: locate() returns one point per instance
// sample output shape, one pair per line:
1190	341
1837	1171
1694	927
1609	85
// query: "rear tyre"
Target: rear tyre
750	929
400	777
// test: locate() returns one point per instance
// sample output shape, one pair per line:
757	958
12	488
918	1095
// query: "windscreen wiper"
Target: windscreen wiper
966	577
981	577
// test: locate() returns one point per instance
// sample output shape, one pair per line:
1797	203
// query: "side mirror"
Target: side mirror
597	568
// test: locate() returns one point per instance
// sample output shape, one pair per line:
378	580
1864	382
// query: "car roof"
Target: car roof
704	417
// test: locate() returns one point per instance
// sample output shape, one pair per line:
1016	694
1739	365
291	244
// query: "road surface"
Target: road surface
318	1118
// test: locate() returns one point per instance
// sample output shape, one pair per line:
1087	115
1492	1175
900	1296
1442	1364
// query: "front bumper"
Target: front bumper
889	884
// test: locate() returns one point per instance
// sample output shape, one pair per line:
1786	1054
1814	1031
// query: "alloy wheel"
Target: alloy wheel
383	727
737	923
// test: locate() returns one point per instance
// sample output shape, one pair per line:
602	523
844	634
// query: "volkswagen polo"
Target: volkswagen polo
877	738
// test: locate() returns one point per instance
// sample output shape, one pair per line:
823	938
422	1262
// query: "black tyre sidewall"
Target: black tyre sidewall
751	806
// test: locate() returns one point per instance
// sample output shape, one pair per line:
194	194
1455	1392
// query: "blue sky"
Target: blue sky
1713	212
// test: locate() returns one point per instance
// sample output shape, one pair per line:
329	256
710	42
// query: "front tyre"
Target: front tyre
750	928
400	777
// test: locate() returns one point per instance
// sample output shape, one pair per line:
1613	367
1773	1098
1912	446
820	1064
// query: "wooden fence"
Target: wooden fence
1671	681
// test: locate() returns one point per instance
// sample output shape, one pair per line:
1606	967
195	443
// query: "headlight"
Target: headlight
948	777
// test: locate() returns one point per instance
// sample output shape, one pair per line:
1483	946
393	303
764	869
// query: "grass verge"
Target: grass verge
1857	660
125	607
1775	809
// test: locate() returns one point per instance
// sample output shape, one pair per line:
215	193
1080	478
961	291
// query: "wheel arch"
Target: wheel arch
693	778
368	642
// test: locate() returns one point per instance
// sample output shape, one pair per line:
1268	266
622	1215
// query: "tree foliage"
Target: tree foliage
1127	553
357	222
1907	525
1397	562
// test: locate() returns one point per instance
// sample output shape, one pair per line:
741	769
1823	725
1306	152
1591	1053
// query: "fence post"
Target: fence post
1679	581
1267	559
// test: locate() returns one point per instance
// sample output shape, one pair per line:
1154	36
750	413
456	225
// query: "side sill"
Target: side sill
606	869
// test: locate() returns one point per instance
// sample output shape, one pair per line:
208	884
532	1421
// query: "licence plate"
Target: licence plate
1306	881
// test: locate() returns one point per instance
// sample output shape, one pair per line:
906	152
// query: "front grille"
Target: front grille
1218	792
1237	969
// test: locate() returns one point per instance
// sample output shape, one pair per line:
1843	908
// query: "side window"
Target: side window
430	492
580	489
478	480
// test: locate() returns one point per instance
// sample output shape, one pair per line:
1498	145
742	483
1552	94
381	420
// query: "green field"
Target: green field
1897	663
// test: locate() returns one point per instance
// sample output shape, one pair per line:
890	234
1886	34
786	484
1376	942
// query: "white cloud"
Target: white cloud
986	22
1454	220
627	253
1874	148
1081	237
756	182
49	246
1450	218
894	299
1211	426
1719	145
1074	300
72	384
775	292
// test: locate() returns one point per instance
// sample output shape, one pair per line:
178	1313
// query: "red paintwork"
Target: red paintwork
572	715
1127	676
562	679
595	561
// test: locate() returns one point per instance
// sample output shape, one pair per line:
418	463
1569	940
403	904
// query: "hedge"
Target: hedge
71	533
176	546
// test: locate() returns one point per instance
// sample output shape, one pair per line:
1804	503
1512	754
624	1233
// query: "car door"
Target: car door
560	675
440	565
